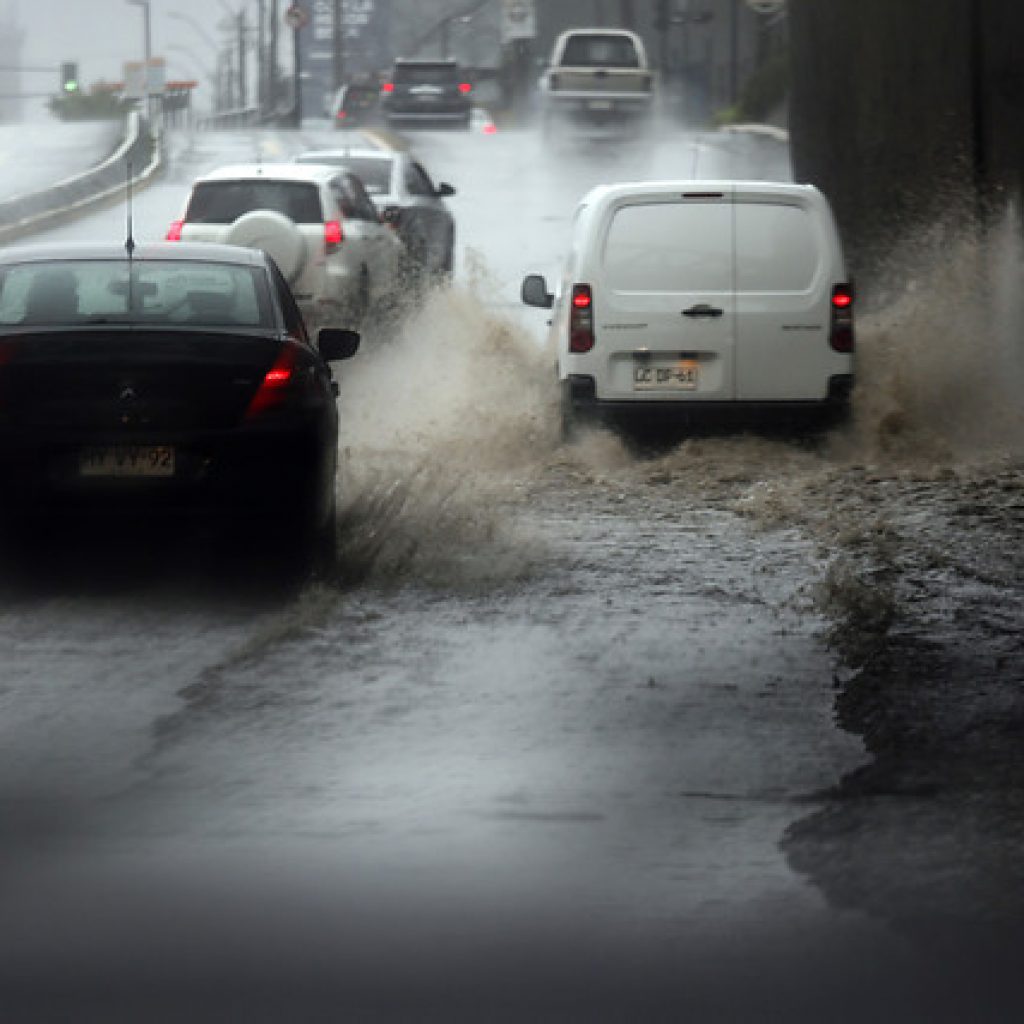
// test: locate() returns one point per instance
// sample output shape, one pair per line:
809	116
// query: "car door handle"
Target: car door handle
703	311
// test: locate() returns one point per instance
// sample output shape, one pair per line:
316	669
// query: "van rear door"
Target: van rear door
784	257
666	316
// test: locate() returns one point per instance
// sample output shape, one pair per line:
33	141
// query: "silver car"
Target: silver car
406	197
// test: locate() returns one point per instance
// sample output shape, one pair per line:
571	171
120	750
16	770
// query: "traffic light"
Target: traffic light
69	77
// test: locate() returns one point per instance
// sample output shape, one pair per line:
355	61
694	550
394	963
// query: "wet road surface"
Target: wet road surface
561	730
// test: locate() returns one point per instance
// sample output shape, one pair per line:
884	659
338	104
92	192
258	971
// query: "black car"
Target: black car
427	91
178	381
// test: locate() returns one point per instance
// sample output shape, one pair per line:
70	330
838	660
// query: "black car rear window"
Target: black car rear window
426	74
68	293
223	202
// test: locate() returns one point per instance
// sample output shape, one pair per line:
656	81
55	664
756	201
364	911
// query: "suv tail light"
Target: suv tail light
841	336
581	319
465	88
174	231
388	87
277	386
333	235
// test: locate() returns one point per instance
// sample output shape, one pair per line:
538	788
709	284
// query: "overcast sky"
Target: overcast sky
102	34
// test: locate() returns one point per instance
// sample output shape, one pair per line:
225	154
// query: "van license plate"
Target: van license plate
683	375
127	461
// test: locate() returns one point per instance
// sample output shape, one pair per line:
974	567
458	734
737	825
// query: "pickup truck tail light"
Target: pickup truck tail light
581	319
174	231
841	335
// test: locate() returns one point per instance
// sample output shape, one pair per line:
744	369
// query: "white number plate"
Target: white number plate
600	104
682	375
127	460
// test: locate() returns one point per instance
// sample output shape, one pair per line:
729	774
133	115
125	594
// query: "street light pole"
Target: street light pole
148	52
339	47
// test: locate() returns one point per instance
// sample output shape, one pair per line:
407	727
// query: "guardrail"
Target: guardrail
243	117
22	215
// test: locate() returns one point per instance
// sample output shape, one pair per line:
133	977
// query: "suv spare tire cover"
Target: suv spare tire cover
276	235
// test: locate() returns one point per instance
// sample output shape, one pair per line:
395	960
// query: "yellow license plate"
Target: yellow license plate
127	461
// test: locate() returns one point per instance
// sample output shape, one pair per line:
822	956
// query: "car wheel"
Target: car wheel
448	265
357	309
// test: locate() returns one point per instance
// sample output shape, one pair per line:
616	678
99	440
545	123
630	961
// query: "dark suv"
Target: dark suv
427	91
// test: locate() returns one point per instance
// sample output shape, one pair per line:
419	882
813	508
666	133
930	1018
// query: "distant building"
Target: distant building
11	38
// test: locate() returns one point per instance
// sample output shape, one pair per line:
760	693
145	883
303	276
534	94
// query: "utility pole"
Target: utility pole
261	57
243	78
338	52
734	52
272	83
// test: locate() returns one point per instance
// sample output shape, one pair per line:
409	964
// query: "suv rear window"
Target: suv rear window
425	74
223	202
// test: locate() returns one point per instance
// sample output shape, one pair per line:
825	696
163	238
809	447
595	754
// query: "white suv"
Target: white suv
682	298
316	222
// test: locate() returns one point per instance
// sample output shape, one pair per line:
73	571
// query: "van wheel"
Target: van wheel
569	422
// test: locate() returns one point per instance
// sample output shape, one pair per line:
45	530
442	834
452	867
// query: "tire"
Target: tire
358	310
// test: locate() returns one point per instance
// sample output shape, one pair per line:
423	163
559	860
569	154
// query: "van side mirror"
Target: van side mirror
336	344
535	292
444	190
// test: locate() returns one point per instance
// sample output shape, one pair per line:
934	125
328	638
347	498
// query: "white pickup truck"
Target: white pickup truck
598	82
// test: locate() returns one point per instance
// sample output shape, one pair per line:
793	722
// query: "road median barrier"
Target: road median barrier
103	184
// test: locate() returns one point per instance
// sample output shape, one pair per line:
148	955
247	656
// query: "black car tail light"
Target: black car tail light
841	335
283	383
581	319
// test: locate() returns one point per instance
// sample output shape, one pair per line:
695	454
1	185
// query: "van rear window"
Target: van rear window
688	247
670	247
780	252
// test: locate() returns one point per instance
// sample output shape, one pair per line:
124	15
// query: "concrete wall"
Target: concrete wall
904	111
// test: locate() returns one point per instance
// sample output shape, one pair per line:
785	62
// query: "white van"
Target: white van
684	297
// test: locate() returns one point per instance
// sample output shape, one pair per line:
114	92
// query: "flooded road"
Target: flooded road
562	729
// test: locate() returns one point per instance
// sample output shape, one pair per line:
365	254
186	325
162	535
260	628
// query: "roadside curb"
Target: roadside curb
95	188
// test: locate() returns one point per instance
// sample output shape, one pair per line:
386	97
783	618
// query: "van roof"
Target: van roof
690	187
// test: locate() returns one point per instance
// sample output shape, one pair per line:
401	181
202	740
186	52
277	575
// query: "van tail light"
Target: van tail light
174	231
333	235
465	88
277	386
841	335
581	319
